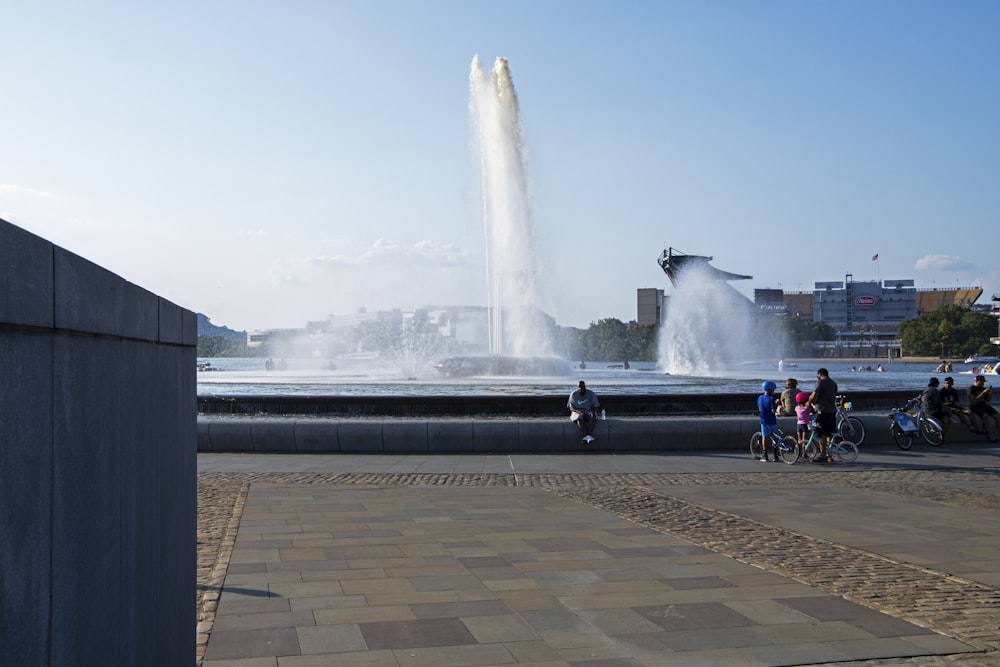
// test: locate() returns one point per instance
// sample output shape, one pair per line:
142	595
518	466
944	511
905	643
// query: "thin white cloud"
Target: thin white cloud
383	253
380	259
944	263
254	232
9	189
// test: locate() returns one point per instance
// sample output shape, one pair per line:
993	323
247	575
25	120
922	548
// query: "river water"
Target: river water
307	377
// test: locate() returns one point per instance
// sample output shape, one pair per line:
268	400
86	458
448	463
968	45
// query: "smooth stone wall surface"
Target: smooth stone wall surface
98	444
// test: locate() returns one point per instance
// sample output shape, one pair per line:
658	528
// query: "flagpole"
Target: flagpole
878	269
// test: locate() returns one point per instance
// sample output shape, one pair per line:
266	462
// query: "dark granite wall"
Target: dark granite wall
97	464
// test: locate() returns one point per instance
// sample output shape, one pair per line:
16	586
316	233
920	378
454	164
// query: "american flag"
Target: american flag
875	257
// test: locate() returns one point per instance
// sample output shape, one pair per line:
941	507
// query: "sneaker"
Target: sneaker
589	439
763	459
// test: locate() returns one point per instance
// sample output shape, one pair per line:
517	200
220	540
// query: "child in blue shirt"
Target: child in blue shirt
767	404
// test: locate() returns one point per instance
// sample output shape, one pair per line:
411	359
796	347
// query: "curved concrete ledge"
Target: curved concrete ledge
457	435
540	406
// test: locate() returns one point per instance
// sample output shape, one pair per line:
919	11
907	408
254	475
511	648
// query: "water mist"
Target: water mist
709	326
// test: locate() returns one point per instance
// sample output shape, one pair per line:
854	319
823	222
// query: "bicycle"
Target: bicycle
786	446
849	428
839	448
909	423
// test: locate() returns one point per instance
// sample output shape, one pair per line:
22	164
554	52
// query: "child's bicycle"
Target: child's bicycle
840	449
786	446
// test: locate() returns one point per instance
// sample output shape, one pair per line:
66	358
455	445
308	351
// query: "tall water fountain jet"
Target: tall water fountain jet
518	326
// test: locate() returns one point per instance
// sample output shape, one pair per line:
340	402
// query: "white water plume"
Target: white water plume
513	268
708	327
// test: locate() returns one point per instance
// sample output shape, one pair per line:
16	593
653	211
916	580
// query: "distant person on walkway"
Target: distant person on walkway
931	403
824	401
787	404
767	405
583	406
979	396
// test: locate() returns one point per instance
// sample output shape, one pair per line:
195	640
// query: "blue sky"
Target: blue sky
271	163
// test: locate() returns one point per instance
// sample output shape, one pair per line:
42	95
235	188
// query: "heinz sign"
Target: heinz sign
864	301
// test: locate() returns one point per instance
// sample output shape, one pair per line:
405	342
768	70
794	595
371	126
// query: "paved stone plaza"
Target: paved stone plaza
598	560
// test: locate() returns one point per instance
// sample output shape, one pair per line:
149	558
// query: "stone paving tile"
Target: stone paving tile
499	628
697	573
328	639
233	644
418	633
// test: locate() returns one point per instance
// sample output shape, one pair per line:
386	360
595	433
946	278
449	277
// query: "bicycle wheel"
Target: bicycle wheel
852	429
844	451
789	449
931	430
812	449
903	441
757	446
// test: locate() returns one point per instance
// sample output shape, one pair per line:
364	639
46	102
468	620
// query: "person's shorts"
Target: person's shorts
826	423
768	429
803	428
984	409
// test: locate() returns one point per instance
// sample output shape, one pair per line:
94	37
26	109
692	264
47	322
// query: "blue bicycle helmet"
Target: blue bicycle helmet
768	385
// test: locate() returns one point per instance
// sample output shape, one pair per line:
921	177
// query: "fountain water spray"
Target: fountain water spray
709	326
518	325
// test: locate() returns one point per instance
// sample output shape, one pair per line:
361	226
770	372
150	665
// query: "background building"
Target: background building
649	306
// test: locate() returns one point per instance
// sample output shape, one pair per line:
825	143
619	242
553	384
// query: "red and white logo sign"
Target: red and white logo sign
864	301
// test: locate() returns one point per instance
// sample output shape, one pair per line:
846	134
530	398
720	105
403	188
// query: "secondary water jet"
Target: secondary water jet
708	325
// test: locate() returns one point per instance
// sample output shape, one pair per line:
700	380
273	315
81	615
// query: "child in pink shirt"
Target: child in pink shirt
803	416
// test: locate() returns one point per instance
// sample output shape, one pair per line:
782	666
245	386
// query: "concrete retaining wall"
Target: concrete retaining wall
248	434
97	464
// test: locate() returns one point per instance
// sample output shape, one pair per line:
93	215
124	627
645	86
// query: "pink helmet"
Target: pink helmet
801	397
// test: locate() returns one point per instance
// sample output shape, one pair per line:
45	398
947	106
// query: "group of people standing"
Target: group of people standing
943	402
819	406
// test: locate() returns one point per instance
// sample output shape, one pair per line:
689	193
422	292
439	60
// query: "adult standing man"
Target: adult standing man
824	399
583	406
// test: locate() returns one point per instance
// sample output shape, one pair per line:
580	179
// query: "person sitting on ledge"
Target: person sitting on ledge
583	406
786	406
949	399
979	397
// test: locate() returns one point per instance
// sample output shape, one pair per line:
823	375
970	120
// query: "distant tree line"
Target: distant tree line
609	339
949	331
